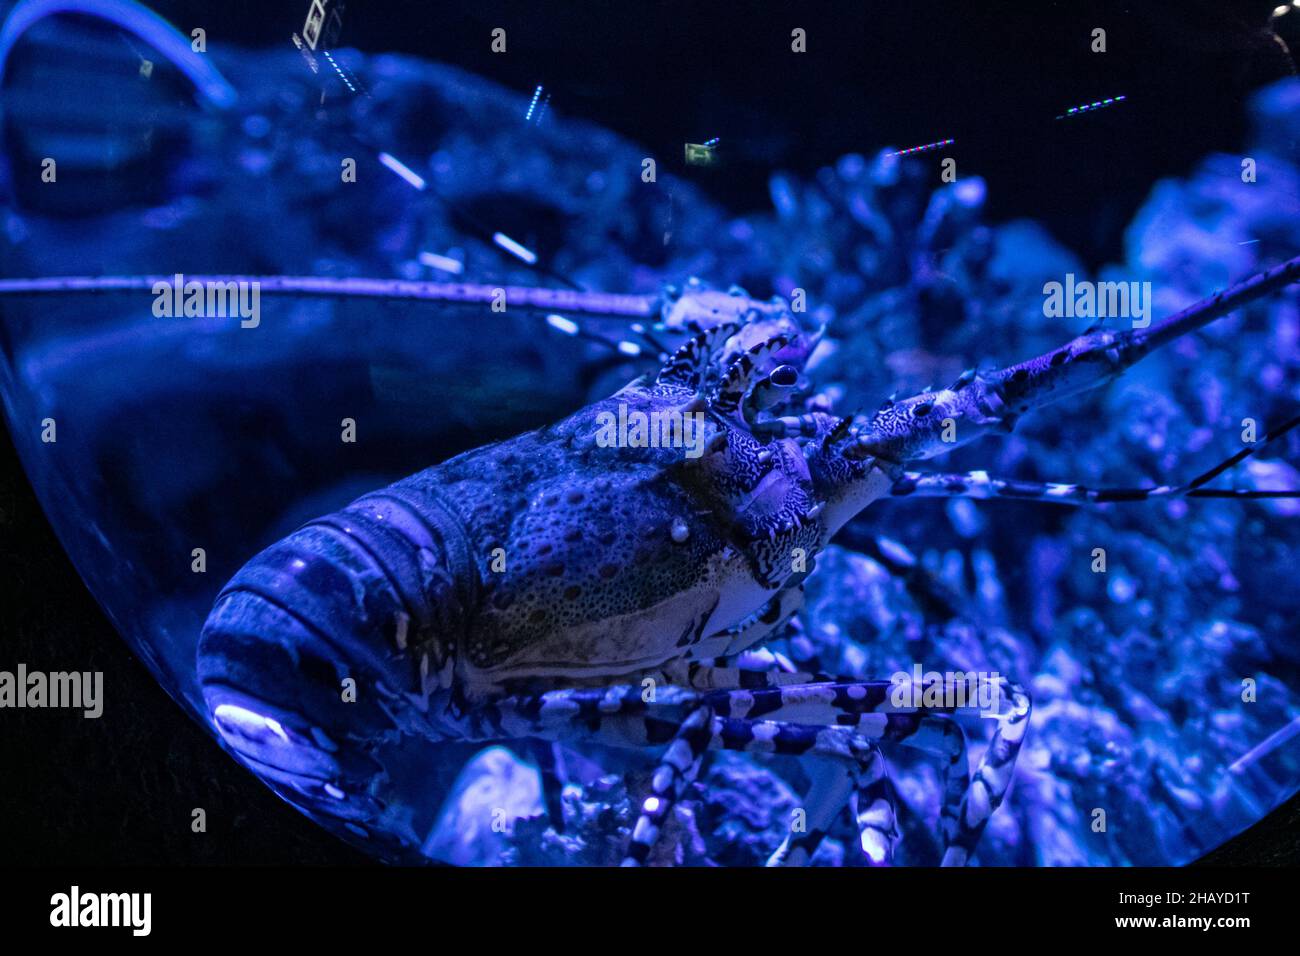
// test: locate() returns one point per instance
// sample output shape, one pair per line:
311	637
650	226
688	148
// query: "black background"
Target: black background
121	789
991	74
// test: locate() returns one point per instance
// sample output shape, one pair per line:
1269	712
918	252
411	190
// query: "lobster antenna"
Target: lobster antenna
525	297
979	484
1145	341
1190	488
922	426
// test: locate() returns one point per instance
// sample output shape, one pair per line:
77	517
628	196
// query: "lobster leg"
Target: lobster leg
687	722
968	802
844	764
698	675
677	768
940	736
874	810
842	721
866	704
621	716
934	733
834	783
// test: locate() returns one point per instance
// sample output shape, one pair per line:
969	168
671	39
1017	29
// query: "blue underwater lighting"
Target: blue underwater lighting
514	248
399	167
274	449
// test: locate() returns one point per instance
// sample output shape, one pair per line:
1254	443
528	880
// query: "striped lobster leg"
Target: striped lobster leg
618	716
677	769
866	705
687	723
876	815
834	784
841	723
865	708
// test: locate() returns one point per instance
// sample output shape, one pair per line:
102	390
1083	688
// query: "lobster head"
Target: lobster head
663	515
769	457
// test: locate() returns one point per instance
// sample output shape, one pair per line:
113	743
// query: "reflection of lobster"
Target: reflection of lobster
561	587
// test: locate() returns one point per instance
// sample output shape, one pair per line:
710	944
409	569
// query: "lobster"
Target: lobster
596	582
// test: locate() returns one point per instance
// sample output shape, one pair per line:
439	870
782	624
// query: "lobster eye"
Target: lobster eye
785	376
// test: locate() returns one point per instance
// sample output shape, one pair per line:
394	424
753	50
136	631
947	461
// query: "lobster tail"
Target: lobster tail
331	644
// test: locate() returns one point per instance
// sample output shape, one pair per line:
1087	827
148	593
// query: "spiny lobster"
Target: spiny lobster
569	589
